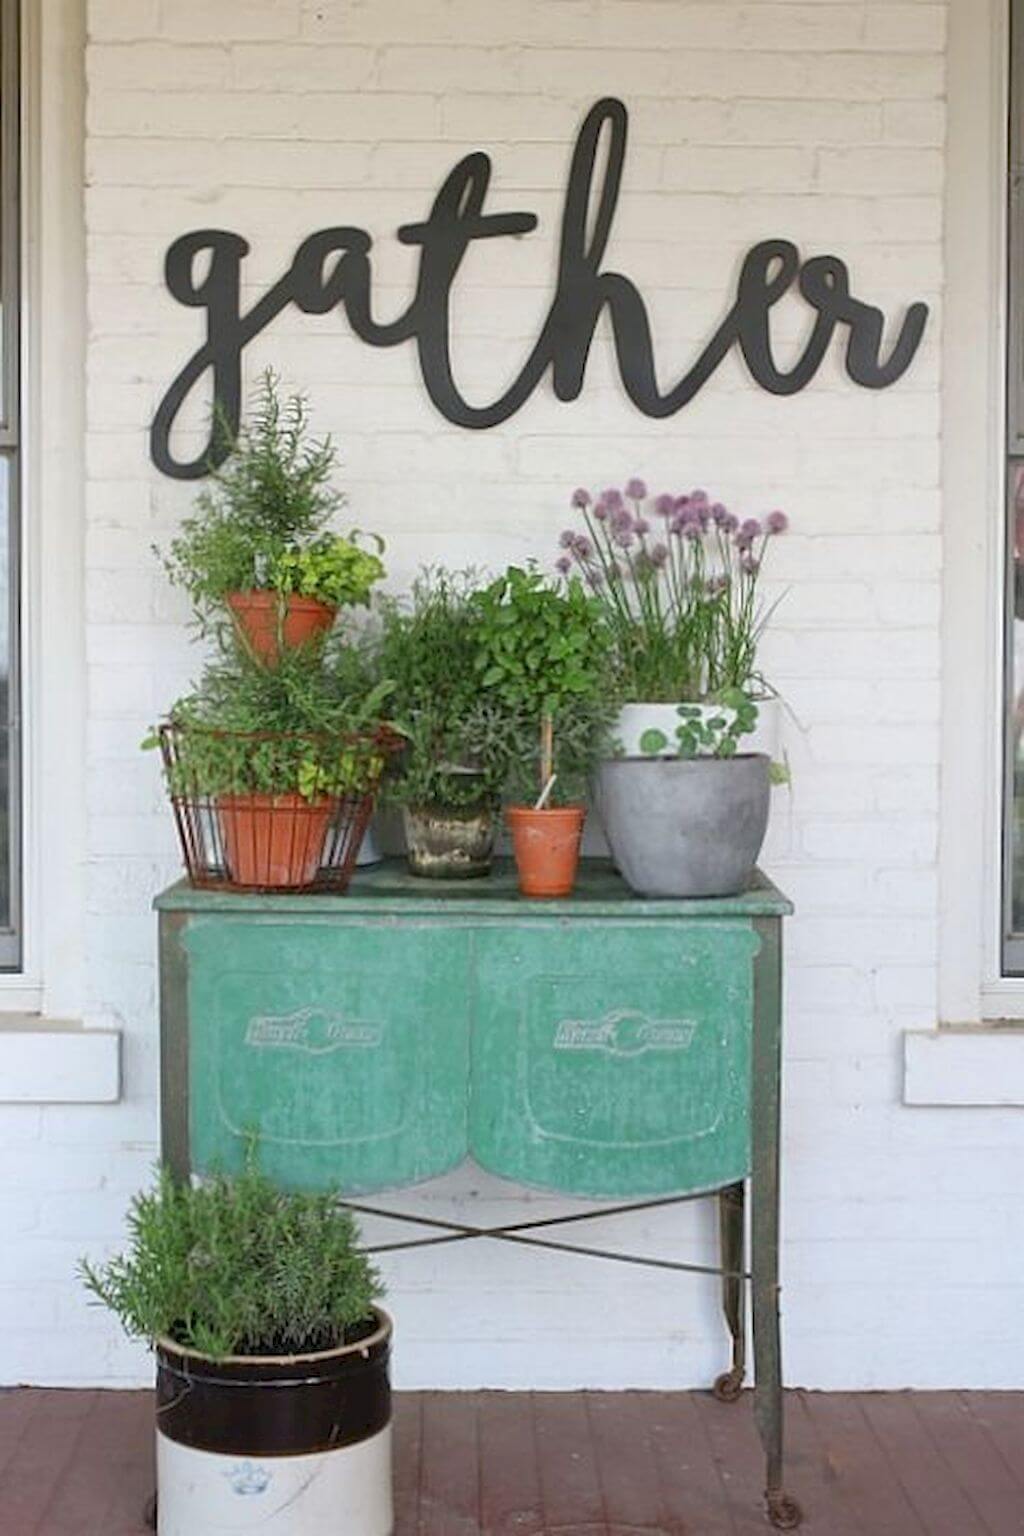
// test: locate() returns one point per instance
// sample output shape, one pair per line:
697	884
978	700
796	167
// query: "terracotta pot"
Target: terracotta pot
282	1445
273	840
546	845
269	621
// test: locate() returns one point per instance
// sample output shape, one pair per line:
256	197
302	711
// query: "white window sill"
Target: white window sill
19	994
980	1066
57	1061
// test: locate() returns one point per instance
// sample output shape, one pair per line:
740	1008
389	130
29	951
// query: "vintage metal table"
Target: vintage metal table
603	1046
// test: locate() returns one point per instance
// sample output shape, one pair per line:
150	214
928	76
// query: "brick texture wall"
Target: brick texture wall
819	121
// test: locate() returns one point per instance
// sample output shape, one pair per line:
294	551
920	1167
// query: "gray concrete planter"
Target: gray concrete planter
685	826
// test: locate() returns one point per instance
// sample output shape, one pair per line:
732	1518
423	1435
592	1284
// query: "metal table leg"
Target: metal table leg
784	1512
731	1209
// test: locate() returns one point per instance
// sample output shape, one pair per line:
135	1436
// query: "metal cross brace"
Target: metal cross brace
459	1232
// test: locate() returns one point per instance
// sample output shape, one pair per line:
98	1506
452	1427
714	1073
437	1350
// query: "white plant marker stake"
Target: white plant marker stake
545	792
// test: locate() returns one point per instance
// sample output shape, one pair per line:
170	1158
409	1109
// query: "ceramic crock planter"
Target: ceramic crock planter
449	842
546	845
270	620
289	1445
685	826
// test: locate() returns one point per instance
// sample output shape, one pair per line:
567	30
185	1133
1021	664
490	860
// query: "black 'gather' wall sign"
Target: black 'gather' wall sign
331	270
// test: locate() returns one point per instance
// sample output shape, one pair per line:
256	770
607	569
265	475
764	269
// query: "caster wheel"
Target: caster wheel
149	1513
728	1386
783	1512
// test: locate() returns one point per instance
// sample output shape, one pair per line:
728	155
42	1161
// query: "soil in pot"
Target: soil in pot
269	621
685	826
274	840
546	845
285	1445
448	843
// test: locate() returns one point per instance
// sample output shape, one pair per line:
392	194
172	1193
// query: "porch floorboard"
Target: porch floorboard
577	1464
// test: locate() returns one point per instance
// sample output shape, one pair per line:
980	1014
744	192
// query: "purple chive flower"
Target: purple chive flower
563	564
622	520
636	489
729	523
698	495
612	498
641	526
567	538
659	555
580	498
664	504
681	503
582	547
692	531
601	510
776	522
749	566
718	514
751	528
623	537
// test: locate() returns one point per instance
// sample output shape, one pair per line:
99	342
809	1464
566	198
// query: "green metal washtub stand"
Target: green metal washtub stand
605	1046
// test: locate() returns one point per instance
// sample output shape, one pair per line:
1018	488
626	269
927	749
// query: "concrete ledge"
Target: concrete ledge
980	1067
56	1061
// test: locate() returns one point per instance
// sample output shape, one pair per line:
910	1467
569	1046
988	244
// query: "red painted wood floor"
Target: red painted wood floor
577	1464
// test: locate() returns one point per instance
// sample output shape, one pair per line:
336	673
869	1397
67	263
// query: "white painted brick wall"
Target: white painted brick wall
819	121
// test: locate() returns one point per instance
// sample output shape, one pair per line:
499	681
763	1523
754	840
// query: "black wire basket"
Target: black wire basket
268	811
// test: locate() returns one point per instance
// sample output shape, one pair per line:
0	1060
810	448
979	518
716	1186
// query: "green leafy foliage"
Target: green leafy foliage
234	1266
543	653
540	647
715	732
332	569
456	734
258	521
300	727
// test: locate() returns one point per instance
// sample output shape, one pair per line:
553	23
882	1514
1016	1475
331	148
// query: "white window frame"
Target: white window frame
972	988
51	980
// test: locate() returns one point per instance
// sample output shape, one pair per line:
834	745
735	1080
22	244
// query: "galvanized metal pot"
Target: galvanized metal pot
286	1445
447	843
685	826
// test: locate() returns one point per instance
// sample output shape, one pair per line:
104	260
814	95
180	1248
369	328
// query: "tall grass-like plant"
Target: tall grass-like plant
234	1266
676	579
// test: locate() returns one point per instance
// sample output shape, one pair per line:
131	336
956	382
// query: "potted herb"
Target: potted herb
448	780
258	544
543	656
273	1399
677	579
272	772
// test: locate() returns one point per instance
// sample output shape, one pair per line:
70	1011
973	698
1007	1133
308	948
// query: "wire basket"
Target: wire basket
266	811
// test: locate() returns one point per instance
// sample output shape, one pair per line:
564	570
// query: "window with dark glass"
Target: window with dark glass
10	483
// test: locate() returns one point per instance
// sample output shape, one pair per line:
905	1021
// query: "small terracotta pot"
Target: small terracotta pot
273	840
269	621
546	845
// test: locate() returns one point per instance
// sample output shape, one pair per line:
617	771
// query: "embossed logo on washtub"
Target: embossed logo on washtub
312	1031
624	1032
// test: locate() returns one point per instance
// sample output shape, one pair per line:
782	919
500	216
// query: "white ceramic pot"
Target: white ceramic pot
635	719
290	1445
